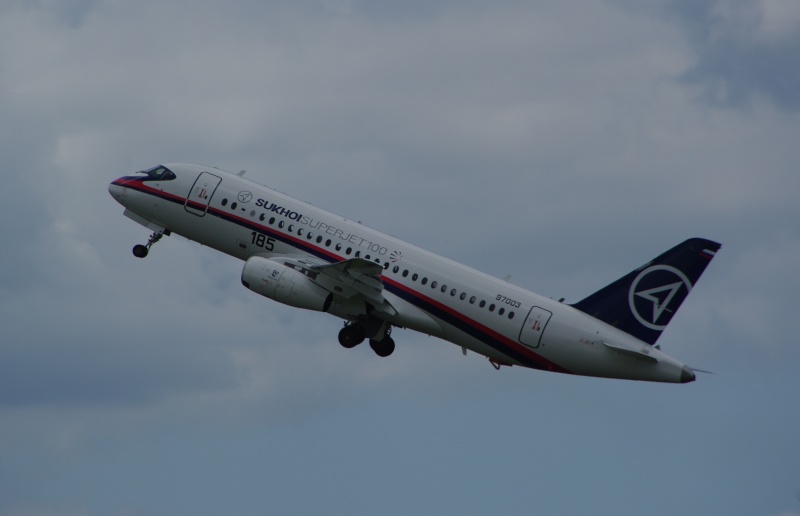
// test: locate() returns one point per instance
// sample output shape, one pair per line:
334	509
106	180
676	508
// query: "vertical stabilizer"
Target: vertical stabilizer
644	301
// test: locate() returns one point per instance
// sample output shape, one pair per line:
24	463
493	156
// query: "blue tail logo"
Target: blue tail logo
644	301
649	303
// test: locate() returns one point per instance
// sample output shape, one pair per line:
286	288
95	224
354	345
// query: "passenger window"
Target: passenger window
444	288
262	217
463	296
328	243
510	315
395	269
472	300
281	224
482	303
453	292
433	284
501	311
224	202
348	251
271	221
338	247
491	307
405	273
414	277
424	281
233	206
319	239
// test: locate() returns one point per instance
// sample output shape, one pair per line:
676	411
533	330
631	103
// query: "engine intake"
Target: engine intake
284	284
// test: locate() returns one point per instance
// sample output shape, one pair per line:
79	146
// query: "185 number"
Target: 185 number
262	240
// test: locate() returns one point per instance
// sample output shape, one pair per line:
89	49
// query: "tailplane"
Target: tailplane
643	302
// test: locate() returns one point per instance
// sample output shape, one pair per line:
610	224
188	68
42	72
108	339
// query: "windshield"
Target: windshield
159	173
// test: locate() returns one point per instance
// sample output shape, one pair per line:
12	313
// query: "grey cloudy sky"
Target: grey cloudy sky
563	143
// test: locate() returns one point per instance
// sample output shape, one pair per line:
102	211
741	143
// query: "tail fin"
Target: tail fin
643	302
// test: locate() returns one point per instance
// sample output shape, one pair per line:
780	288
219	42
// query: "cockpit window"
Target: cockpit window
159	173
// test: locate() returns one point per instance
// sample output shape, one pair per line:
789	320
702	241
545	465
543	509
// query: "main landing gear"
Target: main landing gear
140	251
354	334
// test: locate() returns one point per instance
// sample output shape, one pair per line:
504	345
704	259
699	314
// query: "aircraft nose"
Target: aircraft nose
117	191
687	375
114	189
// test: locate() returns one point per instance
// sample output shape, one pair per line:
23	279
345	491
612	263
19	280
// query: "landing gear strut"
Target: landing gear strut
140	251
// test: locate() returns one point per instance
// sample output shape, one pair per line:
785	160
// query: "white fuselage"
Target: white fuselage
433	295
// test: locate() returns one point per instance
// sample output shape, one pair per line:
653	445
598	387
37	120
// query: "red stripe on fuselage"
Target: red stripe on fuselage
489	335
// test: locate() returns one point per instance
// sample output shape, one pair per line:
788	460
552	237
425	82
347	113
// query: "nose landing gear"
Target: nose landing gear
140	251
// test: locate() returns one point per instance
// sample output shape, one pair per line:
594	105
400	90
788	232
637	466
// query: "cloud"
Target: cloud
744	50
564	144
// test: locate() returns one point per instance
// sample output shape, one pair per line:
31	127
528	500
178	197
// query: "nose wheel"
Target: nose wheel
140	251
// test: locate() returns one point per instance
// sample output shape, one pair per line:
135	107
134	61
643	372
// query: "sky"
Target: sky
561	143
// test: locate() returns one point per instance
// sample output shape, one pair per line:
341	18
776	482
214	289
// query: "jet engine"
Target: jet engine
285	284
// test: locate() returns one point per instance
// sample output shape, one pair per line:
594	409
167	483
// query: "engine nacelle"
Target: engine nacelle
284	284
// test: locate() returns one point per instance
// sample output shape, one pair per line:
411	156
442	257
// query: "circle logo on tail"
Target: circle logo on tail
656	293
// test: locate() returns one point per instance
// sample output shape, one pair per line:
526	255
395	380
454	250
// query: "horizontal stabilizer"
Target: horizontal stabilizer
629	351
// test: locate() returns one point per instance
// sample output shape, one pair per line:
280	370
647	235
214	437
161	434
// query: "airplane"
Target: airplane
306	257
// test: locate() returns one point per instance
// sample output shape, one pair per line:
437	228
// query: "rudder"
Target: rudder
644	301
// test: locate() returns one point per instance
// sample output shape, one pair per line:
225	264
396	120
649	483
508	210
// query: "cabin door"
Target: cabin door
533	327
200	195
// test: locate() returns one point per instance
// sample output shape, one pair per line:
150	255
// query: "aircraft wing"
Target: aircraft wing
357	276
349	279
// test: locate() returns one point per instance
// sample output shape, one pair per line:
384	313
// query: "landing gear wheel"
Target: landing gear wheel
140	251
382	348
351	336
